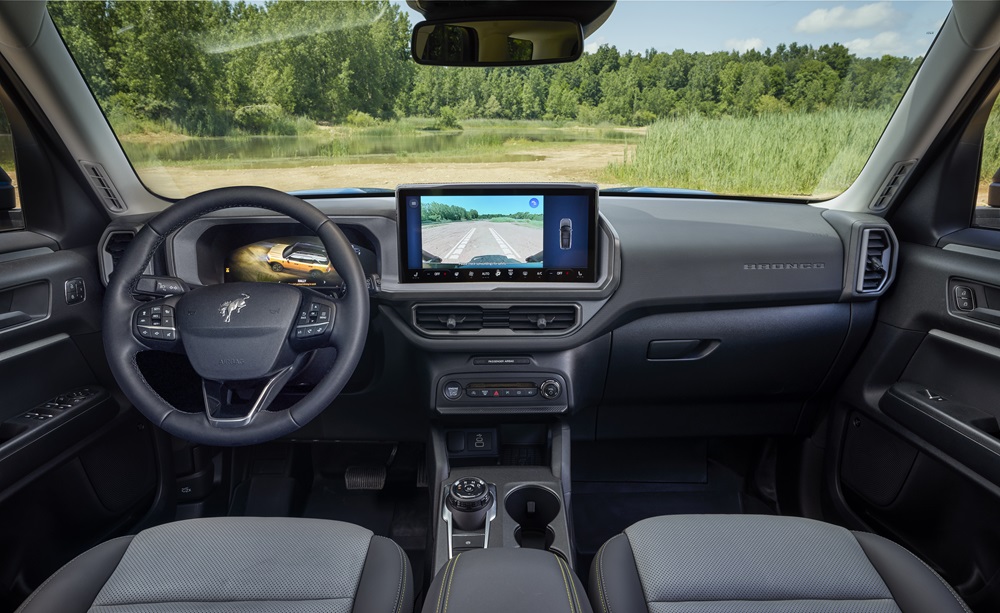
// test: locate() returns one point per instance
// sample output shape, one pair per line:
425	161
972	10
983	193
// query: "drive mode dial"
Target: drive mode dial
550	389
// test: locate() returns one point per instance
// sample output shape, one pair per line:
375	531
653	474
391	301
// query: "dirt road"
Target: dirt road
461	241
574	162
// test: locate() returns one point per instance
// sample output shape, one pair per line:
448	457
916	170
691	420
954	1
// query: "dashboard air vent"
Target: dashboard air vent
449	317
875	261
891	185
476	319
103	186
543	317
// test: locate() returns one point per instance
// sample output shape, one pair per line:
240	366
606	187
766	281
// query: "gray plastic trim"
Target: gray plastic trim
968	343
33	346
984	253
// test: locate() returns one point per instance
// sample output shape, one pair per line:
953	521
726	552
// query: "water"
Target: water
366	146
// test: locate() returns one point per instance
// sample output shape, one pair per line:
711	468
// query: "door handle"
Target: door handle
991	316
13	318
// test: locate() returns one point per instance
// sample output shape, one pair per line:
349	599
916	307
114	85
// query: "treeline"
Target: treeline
211	68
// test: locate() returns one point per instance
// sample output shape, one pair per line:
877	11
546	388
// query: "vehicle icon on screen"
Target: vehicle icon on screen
300	257
566	233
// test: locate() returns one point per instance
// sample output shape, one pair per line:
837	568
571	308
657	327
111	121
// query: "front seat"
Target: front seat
234	564
757	564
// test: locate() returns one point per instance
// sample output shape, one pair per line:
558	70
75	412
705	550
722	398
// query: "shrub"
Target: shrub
447	120
360	119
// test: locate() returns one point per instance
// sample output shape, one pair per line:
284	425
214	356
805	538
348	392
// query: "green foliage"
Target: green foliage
436	212
360	119
447	120
215	67
795	153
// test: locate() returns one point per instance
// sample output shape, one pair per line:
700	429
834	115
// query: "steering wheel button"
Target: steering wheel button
142	321
168	311
156	309
167	322
143	312
169	335
144	332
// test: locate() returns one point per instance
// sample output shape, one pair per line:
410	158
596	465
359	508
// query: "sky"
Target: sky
868	29
491	205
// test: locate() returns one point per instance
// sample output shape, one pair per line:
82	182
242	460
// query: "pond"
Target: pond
374	145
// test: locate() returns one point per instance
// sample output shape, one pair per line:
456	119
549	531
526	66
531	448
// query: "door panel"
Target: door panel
916	429
77	464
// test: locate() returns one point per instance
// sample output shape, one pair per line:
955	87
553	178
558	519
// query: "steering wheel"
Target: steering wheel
245	340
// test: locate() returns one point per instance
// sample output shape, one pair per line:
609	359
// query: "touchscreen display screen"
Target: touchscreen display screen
498	234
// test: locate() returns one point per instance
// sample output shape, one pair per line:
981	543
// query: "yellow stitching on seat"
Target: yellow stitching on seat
402	593
600	577
569	598
444	580
454	567
572	584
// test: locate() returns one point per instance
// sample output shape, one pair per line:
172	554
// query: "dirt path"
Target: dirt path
572	162
460	242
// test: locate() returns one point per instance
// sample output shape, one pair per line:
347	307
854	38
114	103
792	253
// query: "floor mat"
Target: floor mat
396	512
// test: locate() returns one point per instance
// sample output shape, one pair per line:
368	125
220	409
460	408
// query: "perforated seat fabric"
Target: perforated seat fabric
758	564
225	565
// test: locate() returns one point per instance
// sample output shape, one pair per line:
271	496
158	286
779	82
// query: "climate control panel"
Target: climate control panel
498	393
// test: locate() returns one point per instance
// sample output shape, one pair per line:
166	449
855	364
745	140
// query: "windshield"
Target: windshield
779	99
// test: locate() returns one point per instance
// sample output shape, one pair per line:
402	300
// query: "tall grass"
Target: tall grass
991	146
793	154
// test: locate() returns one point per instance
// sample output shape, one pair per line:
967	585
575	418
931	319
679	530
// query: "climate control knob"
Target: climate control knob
550	389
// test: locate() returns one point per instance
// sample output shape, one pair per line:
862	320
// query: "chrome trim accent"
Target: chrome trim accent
264	399
490	516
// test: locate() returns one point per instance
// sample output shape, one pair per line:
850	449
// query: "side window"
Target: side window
10	201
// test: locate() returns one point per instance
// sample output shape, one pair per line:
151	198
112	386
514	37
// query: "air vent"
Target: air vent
476	319
552	318
891	185
448	317
103	186
875	263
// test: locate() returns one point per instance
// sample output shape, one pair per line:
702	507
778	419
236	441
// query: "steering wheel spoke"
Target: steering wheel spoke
235	404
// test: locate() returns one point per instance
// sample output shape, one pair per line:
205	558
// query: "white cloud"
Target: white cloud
744	44
883	43
594	44
877	15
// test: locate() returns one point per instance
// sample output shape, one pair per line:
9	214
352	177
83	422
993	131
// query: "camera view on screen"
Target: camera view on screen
467	231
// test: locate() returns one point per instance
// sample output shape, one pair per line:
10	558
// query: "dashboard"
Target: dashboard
680	315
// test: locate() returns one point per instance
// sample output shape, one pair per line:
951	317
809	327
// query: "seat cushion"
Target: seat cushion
753	564
252	565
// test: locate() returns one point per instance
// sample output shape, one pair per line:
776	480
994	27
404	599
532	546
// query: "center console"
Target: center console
485	499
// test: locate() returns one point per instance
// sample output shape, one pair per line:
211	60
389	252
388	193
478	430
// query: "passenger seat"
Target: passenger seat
758	564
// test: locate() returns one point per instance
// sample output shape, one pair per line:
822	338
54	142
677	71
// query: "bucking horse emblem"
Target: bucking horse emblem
233	306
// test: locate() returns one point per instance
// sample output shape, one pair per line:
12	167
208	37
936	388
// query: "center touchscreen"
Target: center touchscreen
498	233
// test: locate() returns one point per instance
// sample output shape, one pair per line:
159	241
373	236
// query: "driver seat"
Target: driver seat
234	564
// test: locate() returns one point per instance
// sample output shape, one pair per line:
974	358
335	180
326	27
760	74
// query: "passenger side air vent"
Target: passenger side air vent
891	185
495	320
445	318
875	264
103	186
545	317
113	250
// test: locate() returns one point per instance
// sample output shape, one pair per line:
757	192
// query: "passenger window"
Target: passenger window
10	200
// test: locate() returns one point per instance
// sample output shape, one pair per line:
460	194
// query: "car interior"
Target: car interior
665	400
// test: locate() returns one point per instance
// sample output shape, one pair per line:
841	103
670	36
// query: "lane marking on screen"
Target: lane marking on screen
505	246
460	245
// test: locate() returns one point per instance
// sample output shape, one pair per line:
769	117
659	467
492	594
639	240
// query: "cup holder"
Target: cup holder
533	508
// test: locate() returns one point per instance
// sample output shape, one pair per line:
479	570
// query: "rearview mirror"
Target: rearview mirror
496	42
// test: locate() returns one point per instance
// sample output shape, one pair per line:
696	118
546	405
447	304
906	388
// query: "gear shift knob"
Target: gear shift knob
469	500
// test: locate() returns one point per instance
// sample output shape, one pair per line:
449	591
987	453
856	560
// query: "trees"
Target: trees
211	67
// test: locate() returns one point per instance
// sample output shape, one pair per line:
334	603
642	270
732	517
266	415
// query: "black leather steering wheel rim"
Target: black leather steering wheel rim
121	346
